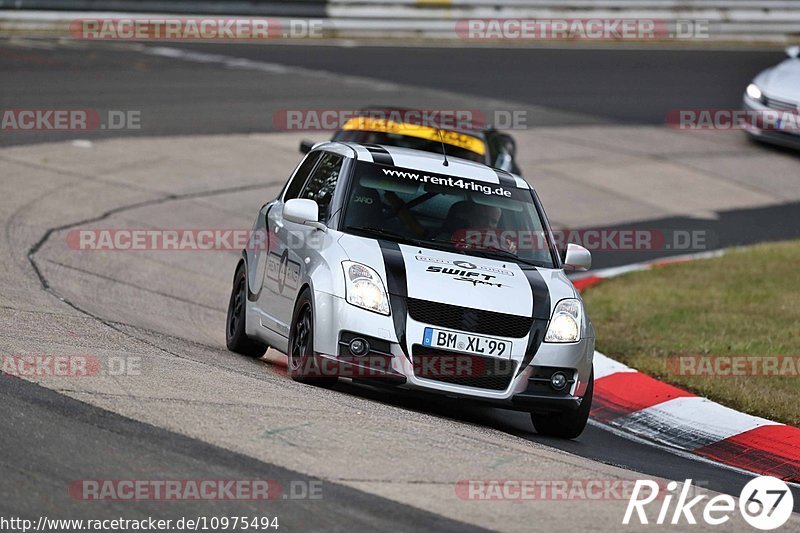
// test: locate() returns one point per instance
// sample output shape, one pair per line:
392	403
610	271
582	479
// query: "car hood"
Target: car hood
462	280
781	81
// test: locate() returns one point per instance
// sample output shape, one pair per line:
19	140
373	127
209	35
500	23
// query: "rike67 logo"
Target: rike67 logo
765	503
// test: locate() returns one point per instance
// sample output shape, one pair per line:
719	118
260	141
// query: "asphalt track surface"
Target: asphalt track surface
588	86
192	98
50	440
554	86
631	86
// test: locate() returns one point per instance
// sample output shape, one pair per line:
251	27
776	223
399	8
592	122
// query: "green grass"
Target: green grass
746	302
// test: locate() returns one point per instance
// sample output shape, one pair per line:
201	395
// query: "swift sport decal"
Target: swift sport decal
467	281
470	276
464	264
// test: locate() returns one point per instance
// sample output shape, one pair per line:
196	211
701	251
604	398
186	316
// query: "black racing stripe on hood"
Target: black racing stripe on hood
395	268
380	154
541	315
397	286
540	292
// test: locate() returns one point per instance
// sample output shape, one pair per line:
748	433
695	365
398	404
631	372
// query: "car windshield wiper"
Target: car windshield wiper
490	252
386	233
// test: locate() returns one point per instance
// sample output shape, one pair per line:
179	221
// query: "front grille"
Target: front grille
462	369
468	319
783	105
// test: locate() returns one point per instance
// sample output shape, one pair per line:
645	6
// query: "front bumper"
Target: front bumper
391	363
786	139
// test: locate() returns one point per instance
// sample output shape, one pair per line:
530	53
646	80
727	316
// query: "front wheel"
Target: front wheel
236	338
567	424
303	363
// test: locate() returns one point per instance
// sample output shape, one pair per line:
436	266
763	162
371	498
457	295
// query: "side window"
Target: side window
299	178
323	182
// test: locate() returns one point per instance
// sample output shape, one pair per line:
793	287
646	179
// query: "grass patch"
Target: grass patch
746	302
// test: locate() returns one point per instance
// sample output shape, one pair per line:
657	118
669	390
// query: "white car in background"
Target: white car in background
776	89
367	274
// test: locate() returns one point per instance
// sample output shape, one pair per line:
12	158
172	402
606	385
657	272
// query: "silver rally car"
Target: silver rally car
402	268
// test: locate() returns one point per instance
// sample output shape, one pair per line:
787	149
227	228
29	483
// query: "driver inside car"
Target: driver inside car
467	215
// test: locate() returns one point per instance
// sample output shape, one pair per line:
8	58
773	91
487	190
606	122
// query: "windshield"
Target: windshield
451	213
407	141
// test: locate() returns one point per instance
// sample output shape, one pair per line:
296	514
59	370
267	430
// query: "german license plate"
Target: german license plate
462	342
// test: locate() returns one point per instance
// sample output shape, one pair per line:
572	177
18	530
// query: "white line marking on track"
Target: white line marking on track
690	422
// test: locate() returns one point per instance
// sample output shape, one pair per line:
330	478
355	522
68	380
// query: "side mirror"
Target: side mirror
577	259
306	146
303	211
793	51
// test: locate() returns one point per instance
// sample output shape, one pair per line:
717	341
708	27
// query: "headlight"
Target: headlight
364	288
753	91
566	323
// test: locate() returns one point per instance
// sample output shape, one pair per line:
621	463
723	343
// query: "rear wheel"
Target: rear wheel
567	424
235	334
303	363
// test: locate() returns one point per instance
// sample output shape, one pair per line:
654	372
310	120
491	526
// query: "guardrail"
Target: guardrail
276	8
776	21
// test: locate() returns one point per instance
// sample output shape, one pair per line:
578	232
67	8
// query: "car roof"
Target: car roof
421	160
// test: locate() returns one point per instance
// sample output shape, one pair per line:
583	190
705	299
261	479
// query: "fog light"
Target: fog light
558	381
359	347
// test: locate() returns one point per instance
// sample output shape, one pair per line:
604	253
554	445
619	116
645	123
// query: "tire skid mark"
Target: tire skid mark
45	283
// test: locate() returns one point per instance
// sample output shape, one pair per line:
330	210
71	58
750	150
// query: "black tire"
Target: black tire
303	363
235	336
567	424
